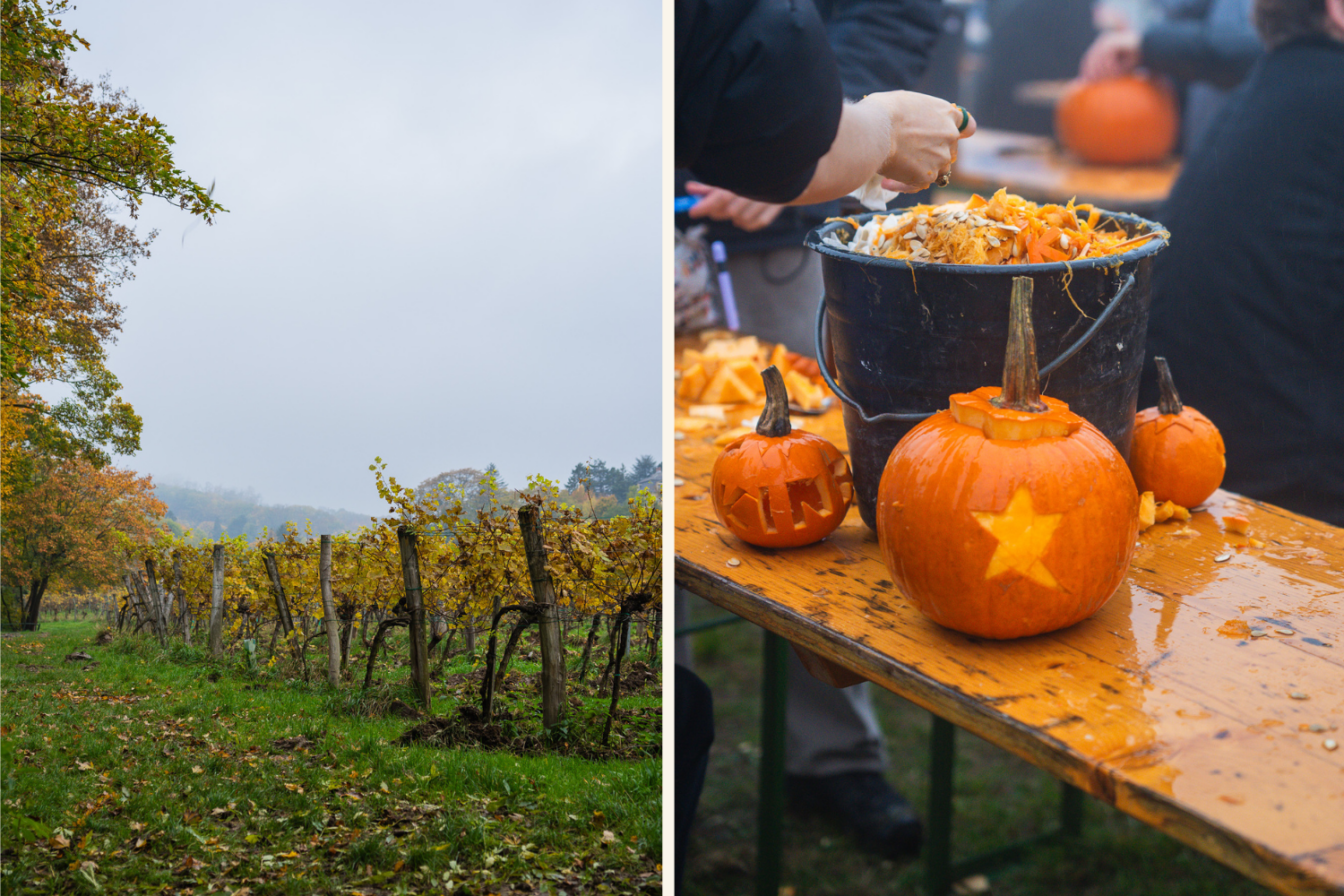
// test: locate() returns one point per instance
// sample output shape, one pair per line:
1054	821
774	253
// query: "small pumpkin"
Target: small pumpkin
1127	120
1007	515
780	487
1177	453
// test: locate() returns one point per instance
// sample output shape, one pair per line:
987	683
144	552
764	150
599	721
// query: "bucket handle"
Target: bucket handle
911	416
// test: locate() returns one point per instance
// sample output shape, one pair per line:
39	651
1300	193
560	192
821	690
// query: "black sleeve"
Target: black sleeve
882	44
758	95
1219	54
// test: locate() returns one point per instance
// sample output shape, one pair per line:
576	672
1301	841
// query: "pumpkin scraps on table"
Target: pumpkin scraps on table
1004	229
726	371
1007	515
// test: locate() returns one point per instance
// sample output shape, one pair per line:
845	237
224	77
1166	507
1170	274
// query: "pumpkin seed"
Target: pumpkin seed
1316	728
678	482
678	436
1223	557
1284	631
733	561
1330	745
1297	695
1258	633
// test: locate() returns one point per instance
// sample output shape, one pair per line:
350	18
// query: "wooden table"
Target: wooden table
1035	168
1162	705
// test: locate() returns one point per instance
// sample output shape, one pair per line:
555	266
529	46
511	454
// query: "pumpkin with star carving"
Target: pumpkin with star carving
1007	515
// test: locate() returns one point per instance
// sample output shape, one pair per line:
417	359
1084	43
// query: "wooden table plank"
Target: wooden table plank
1035	168
1161	704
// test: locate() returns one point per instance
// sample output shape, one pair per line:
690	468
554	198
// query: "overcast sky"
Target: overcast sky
442	244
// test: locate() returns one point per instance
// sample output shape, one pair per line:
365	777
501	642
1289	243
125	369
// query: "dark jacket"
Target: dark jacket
1208	46
1248	299
757	94
876	45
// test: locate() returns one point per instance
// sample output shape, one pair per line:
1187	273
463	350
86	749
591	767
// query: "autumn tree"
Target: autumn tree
71	154
75	522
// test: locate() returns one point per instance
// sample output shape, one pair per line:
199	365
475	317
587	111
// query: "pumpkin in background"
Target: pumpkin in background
1177	452
1129	120
1007	515
780	487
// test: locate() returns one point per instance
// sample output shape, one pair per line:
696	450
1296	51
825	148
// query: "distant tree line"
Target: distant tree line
616	482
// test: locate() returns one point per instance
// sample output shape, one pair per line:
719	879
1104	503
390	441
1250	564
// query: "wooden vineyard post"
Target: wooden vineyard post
217	603
281	604
410	573
552	651
157	611
133	599
329	614
184	611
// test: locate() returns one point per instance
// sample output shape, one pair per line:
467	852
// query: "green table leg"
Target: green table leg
1070	811
770	817
938	833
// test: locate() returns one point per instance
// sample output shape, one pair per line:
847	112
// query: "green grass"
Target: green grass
998	799
142	774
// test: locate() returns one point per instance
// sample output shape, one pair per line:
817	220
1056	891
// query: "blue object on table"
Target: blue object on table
684	203
720	253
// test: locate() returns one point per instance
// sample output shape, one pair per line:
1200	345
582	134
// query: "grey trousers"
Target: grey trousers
828	730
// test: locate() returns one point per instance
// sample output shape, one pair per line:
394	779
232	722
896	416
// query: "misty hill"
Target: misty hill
210	511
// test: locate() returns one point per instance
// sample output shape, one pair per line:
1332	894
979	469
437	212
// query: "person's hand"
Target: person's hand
924	137
725	205
1112	54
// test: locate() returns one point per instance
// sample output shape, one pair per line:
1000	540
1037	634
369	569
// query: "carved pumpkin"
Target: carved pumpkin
1129	120
1177	453
1007	514
780	487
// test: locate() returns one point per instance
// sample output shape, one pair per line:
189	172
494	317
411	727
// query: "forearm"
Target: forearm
862	144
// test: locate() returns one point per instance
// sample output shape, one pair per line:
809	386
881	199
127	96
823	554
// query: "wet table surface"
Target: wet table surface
1165	704
1035	168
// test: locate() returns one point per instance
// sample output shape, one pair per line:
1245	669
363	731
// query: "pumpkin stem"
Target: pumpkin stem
774	421
1169	402
1021	377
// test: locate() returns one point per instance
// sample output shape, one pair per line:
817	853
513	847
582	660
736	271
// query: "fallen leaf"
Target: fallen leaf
58	842
83	766
197	770
608	837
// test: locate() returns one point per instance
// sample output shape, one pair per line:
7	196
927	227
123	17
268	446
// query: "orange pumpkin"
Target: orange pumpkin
1007	514
780	487
1129	120
1177	453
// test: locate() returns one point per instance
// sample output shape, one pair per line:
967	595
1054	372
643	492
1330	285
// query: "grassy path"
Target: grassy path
133	773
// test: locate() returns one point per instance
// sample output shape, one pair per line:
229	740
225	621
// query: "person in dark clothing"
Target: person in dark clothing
1248	299
694	736
879	45
835	752
1207	46
759	109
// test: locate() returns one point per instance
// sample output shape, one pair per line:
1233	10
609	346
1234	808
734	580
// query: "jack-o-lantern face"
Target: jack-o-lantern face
779	487
1007	514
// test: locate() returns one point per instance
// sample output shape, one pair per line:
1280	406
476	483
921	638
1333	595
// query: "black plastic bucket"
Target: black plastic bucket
901	337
